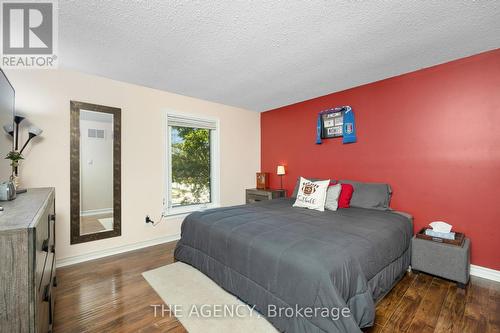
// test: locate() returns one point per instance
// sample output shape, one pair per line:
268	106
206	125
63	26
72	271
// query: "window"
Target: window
192	164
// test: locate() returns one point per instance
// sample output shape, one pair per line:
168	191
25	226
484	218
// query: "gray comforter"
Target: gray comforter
277	257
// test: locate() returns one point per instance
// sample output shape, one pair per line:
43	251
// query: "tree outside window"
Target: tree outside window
191	166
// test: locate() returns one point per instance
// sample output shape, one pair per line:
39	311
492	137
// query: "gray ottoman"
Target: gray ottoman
448	261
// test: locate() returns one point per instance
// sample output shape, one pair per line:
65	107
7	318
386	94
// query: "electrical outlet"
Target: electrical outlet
147	219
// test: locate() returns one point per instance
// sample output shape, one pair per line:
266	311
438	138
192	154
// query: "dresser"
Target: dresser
27	262
255	195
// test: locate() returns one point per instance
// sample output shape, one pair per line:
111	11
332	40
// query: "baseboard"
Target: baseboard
116	250
485	273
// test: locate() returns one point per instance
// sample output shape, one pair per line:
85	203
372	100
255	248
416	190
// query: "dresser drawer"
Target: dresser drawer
44	242
266	193
254	197
45	296
46	277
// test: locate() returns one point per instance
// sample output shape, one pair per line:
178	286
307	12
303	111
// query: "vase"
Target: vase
15	179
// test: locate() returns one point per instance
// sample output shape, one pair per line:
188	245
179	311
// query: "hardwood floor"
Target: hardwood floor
110	295
422	303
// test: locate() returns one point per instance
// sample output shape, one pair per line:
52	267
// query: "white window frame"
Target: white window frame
168	210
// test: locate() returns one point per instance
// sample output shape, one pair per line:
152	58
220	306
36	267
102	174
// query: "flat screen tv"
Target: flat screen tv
7	107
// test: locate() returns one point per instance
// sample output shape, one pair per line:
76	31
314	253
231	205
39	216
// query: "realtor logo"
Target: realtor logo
29	34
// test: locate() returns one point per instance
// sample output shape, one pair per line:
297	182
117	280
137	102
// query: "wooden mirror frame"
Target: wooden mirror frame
76	107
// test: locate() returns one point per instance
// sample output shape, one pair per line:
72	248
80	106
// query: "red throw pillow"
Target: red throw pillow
345	195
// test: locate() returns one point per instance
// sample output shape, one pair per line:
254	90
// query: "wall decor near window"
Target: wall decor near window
334	123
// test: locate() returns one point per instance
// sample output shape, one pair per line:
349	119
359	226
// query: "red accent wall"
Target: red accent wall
433	134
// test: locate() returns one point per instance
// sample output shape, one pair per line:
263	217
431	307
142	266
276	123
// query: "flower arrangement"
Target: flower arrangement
14	157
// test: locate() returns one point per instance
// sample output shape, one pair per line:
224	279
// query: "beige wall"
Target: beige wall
44	97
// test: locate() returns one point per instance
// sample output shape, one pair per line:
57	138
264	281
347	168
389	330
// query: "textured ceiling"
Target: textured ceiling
264	54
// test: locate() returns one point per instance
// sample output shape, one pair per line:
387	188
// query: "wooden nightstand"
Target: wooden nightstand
255	195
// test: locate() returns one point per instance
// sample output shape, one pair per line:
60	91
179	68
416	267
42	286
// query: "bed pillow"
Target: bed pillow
311	194
345	195
332	197
297	184
370	195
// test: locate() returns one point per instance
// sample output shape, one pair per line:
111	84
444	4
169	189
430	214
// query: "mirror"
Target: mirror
95	172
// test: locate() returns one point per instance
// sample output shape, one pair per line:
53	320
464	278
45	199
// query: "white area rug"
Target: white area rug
107	223
201	305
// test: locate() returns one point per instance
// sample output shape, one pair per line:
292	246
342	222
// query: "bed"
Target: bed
273	257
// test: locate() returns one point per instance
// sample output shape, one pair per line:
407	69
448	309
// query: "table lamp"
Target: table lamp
280	171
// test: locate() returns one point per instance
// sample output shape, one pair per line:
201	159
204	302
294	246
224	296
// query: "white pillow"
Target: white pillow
332	197
312	195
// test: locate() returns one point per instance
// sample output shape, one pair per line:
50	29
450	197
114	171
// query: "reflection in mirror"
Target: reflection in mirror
96	172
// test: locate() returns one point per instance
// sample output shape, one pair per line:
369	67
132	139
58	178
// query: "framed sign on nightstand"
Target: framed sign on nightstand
262	180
